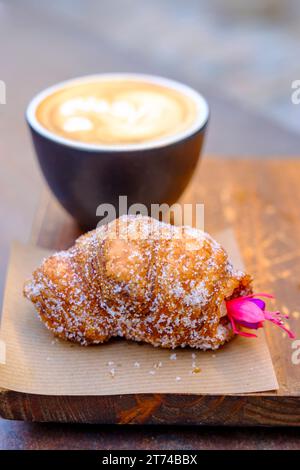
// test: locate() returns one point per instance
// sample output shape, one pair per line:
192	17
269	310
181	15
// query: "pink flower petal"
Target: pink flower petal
244	310
262	294
260	303
253	326
239	332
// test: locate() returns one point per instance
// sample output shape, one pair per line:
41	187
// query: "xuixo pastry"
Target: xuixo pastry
142	280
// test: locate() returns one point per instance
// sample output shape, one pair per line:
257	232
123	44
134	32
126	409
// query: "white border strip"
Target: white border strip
201	103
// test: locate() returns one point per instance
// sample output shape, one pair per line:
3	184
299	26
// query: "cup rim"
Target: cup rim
199	123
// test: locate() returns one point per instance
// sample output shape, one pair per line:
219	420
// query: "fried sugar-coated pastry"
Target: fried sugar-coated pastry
142	280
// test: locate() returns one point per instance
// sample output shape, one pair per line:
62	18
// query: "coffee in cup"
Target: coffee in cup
116	111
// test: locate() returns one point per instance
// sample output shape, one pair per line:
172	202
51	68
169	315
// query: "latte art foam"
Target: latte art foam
116	112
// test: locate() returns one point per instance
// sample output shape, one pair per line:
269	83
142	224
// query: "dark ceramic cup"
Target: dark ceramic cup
82	176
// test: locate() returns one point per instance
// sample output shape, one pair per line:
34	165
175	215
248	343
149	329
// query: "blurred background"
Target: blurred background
243	56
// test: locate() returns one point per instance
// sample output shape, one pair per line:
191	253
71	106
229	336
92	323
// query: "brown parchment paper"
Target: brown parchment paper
33	361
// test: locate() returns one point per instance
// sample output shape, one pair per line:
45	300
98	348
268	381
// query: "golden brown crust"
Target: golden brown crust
142	280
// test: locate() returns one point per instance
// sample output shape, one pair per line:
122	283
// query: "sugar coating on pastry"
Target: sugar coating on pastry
140	279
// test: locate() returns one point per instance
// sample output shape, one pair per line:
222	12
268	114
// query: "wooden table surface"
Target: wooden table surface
43	49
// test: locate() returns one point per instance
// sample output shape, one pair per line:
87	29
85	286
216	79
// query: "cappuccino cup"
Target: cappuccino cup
104	136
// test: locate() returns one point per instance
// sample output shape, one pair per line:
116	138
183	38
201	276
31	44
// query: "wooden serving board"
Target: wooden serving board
260	200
